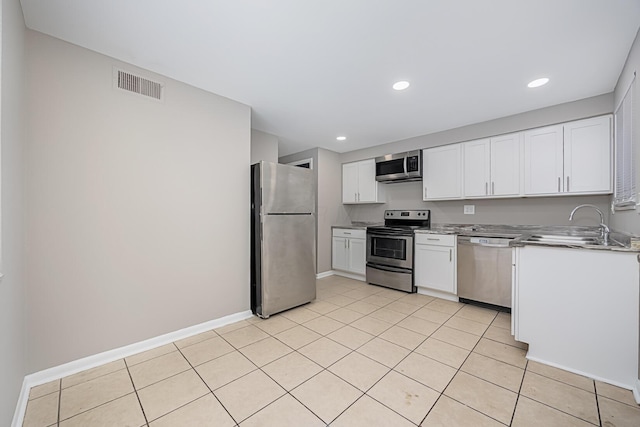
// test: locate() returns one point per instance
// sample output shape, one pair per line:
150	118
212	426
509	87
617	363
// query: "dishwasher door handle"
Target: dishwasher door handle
466	241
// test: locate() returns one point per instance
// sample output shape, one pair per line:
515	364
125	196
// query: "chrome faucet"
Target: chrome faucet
604	229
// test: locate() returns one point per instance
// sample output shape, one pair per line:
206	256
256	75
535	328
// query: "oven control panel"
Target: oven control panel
410	214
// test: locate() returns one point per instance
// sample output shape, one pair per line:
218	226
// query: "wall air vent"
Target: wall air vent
137	84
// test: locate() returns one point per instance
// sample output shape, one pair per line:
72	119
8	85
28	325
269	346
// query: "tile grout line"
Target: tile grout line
207	385
135	390
482	379
457	370
59	399
350	351
400	373
597	404
519	391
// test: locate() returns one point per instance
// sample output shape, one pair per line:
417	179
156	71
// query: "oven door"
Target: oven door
390	249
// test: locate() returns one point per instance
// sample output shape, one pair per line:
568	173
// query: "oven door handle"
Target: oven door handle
390	269
379	233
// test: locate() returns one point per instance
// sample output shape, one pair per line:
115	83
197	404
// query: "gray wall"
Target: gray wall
584	108
130	203
630	220
307	154
545	211
12	286
331	211
264	146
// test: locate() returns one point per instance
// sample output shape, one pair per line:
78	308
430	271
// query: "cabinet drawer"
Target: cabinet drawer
349	232
435	239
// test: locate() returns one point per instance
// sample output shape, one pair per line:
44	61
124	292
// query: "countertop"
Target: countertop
519	233
358	225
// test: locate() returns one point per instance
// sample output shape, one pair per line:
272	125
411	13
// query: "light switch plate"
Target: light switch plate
469	209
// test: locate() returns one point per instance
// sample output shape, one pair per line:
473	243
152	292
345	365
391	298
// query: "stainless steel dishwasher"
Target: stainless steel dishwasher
484	269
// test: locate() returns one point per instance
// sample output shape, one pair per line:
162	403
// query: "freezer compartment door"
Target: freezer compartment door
287	189
288	276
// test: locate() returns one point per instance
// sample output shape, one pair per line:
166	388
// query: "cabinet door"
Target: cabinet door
505	165
367	184
350	182
357	255
587	156
477	168
435	268
442	173
339	254
543	165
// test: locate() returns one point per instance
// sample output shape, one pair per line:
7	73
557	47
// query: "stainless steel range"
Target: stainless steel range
390	249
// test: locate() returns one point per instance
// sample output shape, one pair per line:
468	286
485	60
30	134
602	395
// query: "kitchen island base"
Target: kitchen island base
578	310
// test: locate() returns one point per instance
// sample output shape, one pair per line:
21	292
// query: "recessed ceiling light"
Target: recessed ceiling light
401	85
341	138
538	82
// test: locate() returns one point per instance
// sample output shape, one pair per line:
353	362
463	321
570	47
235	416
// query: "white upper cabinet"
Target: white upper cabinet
359	183
506	160
367	184
492	167
573	158
543	164
350	182
477	168
587	156
442	173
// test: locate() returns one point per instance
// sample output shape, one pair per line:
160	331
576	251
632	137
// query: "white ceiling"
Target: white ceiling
315	69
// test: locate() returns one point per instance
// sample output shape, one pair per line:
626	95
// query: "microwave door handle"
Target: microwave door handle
405	165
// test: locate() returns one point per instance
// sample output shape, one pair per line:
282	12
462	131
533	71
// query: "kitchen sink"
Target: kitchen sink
564	240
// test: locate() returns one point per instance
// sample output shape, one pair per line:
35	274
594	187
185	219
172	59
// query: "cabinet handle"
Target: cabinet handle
433	238
567	184
358	196
493	187
559	181
346	232
450	254
355	197
486	186
425	192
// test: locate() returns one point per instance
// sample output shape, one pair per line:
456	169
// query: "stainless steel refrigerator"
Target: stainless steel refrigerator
283	238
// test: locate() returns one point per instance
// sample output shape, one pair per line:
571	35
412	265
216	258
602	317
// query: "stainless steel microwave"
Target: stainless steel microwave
399	167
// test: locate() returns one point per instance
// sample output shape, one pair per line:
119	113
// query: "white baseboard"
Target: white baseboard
360	277
588	375
21	406
57	372
437	294
636	391
325	274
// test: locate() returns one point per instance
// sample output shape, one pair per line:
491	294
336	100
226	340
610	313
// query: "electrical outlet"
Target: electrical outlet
469	209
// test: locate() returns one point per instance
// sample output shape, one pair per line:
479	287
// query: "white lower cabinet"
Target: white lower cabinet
578	310
349	251
435	265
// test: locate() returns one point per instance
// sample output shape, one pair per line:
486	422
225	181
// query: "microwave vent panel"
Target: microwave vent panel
137	84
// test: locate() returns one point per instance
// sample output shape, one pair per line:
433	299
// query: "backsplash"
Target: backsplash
516	211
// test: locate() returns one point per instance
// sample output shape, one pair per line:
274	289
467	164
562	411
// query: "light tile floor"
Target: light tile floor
359	355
